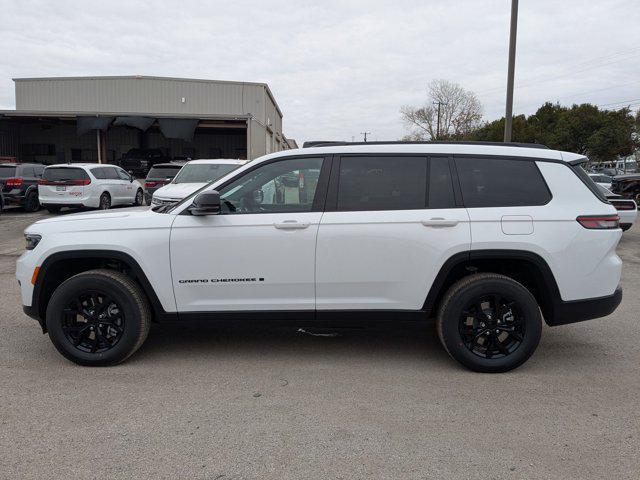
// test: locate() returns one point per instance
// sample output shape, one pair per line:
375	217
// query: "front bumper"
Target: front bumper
580	310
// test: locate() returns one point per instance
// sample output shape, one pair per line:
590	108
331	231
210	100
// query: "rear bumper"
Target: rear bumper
580	310
13	198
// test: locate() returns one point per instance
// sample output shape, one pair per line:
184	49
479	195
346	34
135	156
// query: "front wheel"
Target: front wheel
489	323
98	318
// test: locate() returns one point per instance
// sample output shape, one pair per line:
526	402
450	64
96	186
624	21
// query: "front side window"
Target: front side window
382	183
278	187
111	173
501	182
203	172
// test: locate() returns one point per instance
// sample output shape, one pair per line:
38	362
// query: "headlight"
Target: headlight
32	240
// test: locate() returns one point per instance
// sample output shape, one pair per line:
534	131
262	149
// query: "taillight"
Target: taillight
624	206
599	222
42	181
150	184
13	182
67	183
86	181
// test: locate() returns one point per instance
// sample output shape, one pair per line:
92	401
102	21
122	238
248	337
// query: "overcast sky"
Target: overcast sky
338	68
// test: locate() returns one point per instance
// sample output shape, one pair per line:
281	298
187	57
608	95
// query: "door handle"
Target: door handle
290	225
439	222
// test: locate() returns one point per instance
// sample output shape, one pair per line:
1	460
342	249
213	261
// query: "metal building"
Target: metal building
99	119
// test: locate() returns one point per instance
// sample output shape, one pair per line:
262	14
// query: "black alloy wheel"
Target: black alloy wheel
139	198
93	322
491	326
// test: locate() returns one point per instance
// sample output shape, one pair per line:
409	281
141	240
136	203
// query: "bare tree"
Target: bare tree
460	113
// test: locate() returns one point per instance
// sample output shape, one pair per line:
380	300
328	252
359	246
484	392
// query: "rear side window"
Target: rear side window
111	173
382	183
588	181
64	173
98	173
501	182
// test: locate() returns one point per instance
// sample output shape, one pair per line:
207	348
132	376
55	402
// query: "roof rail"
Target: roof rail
321	143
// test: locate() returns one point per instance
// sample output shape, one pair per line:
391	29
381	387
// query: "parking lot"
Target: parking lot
214	402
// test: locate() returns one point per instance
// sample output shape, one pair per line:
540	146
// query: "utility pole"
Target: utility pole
508	118
365	135
439	104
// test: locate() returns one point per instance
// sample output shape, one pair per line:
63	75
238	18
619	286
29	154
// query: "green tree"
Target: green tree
602	135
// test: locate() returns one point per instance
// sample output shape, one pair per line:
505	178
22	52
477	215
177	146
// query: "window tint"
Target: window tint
98	173
38	170
440	184
382	183
26	171
163	172
494	182
7	171
64	173
111	173
589	183
283	186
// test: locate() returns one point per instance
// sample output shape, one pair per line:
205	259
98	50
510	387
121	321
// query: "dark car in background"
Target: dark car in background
140	160
159	176
627	186
19	184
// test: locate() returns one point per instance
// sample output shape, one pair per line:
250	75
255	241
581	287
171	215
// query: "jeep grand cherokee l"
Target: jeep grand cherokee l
491	240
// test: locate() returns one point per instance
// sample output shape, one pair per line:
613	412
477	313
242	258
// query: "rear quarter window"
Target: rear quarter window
501	182
588	181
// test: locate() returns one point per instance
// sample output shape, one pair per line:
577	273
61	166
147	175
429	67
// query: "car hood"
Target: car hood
177	191
103	220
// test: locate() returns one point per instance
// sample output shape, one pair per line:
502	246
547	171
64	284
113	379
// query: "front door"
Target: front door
259	252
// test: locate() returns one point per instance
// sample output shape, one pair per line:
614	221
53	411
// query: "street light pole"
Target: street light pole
365	135
439	104
508	119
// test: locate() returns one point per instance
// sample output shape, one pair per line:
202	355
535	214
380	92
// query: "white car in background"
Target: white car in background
193	176
627	208
92	185
602	179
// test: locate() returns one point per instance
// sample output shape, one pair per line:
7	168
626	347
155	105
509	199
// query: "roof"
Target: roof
437	149
82	165
150	77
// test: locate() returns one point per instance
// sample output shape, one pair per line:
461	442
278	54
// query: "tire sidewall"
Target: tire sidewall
30	197
108	197
527	306
139	200
69	290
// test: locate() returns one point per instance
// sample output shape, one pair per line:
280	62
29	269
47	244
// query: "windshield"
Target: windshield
7	171
203	172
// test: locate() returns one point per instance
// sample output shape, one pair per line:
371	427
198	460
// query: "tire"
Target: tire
105	201
31	203
139	200
53	209
117	332
468	323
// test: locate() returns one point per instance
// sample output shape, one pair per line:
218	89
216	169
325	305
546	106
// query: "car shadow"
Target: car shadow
169	342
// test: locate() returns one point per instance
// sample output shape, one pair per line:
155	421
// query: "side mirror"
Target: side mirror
206	203
130	178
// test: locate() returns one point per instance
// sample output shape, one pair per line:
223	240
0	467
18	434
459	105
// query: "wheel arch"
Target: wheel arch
526	267
62	265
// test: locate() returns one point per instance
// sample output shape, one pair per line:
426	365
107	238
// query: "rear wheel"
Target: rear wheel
31	202
98	318
139	198
105	201
489	323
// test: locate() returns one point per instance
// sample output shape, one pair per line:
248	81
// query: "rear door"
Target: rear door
391	221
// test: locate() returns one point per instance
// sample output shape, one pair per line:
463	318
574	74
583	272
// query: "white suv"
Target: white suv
488	239
193	176
91	185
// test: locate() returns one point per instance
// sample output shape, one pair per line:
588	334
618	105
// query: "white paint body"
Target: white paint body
122	190
341	260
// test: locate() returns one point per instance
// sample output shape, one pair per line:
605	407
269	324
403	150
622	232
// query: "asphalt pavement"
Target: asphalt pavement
214	402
